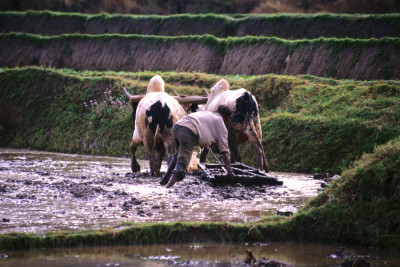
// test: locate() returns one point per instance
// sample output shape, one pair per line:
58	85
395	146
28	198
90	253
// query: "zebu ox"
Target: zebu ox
244	123
153	115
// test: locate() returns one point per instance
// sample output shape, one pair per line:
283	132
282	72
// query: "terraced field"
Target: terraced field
327	86
301	113
340	46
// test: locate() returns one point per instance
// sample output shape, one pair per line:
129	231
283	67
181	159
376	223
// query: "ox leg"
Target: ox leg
236	156
135	167
150	154
170	148
158	158
260	156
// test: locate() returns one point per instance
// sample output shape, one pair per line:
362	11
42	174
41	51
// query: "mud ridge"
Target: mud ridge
290	26
340	58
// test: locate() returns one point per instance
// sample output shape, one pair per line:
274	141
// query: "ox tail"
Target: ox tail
128	95
134	105
265	162
157	138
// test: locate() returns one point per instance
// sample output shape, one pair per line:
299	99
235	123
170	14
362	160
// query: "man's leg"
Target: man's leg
171	166
187	140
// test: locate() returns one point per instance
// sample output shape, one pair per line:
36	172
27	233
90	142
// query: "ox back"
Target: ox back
160	115
246	109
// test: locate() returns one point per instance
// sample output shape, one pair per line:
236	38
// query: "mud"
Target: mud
198	255
371	59
43	191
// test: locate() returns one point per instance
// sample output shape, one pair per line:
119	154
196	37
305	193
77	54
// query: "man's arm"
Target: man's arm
226	157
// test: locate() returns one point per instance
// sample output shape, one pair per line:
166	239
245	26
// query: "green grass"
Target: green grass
359	208
206	17
221	45
221	25
144	233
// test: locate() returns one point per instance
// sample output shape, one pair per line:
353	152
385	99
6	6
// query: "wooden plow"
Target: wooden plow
216	173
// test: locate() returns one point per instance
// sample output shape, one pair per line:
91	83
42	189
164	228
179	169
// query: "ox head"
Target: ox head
219	87
156	84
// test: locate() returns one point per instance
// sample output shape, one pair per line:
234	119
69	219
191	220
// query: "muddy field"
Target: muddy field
42	191
220	255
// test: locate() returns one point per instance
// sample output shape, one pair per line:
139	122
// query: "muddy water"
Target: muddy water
42	191
198	255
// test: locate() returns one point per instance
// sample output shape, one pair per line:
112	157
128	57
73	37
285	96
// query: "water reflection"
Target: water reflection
195	255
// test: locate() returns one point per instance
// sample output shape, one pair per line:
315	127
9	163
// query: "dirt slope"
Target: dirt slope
344	59
110	54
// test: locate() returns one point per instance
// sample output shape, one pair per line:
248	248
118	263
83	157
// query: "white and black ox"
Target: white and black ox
244	123
153	115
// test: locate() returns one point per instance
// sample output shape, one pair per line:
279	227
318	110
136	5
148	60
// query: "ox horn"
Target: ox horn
175	92
207	94
132	98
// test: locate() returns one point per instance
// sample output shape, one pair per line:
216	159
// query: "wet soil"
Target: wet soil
200	255
43	191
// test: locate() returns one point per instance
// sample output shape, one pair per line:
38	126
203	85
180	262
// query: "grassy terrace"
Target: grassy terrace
338	120
220	44
309	124
279	25
362	59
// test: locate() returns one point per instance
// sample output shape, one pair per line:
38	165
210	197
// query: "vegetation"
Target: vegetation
143	233
361	207
281	25
310	124
215	6
327	57
219	44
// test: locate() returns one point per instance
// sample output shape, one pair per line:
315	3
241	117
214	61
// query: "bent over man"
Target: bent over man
202	128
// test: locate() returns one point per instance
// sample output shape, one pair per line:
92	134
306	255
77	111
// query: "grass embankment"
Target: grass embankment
309	124
211	6
359	208
277	25
365	59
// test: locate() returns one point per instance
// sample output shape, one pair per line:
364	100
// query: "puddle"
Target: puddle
43	191
198	255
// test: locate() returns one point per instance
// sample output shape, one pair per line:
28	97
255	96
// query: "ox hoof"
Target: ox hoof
135	167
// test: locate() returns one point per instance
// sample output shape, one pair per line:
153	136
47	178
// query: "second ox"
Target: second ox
244	122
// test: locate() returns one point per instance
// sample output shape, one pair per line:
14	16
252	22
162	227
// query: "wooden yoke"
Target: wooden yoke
182	99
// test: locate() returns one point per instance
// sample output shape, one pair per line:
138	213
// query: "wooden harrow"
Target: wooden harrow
216	173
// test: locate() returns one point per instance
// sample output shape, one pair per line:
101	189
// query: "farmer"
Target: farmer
202	128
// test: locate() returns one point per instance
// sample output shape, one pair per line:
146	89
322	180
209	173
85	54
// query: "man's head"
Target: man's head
224	111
